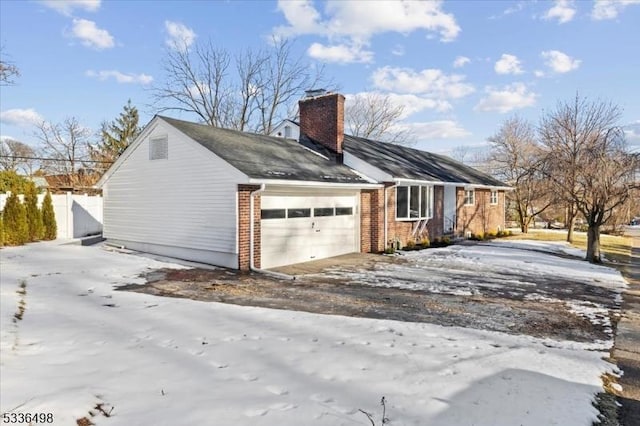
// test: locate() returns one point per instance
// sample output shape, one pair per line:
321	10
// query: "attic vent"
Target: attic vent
159	148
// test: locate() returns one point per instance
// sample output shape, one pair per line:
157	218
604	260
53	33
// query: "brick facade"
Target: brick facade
482	217
372	221
322	119
244	227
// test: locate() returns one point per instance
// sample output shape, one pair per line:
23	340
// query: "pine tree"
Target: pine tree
15	221
49	219
115	137
35	228
1	230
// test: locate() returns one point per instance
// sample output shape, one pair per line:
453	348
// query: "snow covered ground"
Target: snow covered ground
70	342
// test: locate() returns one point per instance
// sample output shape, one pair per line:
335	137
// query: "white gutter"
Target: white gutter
386	213
440	183
335	185
252	265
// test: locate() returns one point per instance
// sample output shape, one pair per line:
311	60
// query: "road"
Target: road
627	344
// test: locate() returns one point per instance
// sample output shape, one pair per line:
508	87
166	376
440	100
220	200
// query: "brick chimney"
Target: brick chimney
322	118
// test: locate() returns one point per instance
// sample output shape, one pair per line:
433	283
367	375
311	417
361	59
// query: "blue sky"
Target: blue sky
460	68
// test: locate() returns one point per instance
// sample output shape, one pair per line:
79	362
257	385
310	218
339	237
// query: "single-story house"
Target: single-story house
244	201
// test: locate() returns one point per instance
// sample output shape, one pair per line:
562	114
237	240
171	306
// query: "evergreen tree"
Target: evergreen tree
12	181
34	215
115	137
49	219
15	221
1	230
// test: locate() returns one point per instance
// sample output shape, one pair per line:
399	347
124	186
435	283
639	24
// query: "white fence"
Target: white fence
76	215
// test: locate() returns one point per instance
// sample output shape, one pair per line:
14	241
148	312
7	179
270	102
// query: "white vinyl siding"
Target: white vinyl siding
414	202
187	201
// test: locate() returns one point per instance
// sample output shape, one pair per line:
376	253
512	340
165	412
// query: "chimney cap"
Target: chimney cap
314	92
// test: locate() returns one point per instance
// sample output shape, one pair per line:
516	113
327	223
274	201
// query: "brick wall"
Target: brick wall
372	221
244	227
402	230
322	119
482	217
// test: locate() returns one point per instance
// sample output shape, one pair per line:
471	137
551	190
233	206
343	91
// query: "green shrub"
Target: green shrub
1	231
411	244
446	241
11	181
35	228
49	219
15	221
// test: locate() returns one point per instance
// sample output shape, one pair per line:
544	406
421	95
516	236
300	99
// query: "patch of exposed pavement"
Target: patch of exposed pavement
538	309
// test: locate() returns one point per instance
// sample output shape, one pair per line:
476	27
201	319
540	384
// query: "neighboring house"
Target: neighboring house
288	129
190	191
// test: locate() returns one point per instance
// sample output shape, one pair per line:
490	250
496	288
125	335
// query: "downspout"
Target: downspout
386	214
251	223
252	265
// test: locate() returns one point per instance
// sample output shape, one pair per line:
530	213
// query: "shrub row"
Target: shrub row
24	222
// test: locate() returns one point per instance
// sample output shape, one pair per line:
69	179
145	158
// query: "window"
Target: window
273	214
323	211
344	211
402	202
287	132
414	202
493	199
469	197
294	213
159	148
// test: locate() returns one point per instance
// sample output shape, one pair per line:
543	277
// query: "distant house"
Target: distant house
244	200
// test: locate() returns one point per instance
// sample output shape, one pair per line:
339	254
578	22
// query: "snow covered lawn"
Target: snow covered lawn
70	342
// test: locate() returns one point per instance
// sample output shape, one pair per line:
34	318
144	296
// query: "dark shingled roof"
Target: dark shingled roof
408	163
266	157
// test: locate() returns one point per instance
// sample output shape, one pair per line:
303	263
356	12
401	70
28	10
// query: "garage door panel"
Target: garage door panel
300	239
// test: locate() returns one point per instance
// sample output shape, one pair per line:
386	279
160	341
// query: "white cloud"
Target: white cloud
398	50
441	129
563	11
461	61
355	23
509	98
431	82
180	36
20	117
90	35
340	53
508	64
120	77
632	134
560	62
411	104
539	73
66	7
610	9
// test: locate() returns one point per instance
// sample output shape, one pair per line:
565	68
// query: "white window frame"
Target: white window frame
469	197
420	210
493	197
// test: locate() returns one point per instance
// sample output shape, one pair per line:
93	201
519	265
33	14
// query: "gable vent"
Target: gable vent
159	148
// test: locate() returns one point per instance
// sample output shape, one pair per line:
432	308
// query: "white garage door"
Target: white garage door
297	228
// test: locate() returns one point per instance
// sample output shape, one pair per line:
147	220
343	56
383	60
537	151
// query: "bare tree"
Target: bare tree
265	83
196	81
16	156
373	115
515	157
65	146
588	161
8	71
